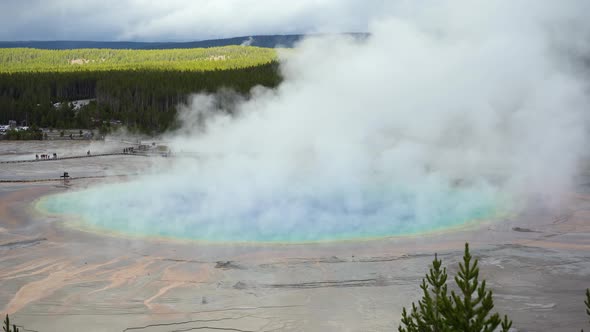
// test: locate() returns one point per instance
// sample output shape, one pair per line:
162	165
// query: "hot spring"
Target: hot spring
192	211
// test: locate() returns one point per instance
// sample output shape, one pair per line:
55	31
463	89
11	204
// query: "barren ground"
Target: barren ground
54	278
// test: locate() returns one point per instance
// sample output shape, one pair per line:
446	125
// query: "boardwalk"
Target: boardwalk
77	157
69	179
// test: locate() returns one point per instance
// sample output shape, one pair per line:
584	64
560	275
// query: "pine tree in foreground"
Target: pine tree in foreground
469	310
7	326
587	302
427	316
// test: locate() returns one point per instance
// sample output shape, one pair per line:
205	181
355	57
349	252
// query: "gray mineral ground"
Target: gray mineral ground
51	276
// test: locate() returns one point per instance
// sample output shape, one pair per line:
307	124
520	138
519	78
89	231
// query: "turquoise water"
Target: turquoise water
184	212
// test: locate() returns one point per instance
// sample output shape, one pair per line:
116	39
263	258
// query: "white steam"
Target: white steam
489	94
441	113
247	42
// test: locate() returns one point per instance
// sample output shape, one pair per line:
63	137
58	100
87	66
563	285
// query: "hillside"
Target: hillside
199	59
267	41
138	88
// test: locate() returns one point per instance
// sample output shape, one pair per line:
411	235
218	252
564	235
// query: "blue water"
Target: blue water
290	216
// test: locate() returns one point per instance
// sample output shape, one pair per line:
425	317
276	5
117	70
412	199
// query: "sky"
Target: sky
182	20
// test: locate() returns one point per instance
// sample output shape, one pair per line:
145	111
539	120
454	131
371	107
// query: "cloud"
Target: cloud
179	20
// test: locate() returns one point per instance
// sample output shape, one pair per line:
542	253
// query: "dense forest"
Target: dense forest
139	89
34	60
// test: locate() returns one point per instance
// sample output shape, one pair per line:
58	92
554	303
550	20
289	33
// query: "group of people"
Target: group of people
45	156
128	150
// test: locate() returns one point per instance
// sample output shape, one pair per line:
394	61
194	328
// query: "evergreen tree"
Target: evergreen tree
506	324
587	302
120	94
469	311
428	316
7	326
466	311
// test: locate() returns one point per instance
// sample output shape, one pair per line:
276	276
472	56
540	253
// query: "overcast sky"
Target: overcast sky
182	20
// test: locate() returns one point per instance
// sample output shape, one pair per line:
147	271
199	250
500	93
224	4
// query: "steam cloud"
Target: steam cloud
247	42
445	111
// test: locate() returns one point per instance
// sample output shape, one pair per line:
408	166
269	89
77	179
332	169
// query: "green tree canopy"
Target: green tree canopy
468	310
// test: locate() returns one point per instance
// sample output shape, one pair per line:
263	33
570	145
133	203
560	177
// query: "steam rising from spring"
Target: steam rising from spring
453	112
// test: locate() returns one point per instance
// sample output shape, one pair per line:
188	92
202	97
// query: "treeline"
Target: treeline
14	60
270	41
32	133
143	100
